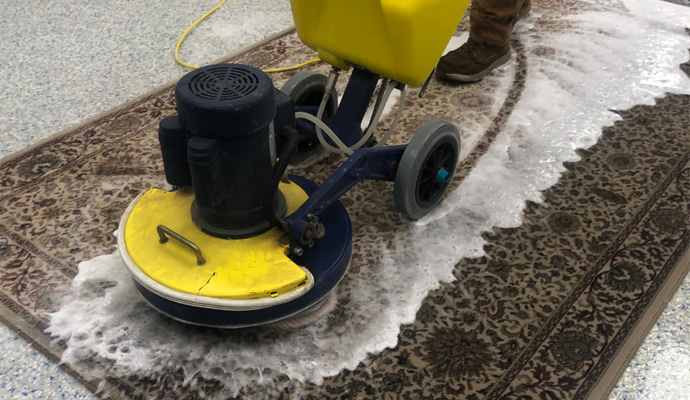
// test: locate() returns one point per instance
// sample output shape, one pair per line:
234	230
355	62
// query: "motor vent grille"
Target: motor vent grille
223	82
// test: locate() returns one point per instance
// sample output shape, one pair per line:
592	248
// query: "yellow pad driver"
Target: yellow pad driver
237	269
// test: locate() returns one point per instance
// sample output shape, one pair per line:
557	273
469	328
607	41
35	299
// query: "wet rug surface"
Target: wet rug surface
567	220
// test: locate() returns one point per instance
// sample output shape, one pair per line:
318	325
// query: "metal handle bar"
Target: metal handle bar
163	230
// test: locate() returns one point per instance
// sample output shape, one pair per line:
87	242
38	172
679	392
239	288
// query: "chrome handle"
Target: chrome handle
163	230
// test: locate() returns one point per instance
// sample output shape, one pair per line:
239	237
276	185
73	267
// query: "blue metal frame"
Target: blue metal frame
347	121
373	163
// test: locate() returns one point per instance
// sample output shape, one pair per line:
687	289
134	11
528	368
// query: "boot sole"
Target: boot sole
524	11
481	74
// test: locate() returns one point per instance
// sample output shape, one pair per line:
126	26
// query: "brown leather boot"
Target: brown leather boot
471	62
524	10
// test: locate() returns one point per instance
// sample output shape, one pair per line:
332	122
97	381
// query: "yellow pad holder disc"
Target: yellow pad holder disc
236	269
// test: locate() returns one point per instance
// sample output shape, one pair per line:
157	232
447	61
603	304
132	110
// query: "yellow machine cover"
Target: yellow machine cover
399	39
235	269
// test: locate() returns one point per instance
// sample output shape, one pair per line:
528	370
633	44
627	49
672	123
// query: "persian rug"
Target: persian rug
552	307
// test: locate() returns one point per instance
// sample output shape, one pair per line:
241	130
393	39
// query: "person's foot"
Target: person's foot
472	61
526	8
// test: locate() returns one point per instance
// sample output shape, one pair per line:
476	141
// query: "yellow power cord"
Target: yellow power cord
186	32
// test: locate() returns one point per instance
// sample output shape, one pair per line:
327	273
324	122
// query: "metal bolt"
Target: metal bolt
392	167
320	231
298	251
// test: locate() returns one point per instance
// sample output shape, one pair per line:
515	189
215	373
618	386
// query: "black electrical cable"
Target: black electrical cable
294	138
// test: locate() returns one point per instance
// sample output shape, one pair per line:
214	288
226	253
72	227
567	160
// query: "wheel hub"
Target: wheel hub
442	176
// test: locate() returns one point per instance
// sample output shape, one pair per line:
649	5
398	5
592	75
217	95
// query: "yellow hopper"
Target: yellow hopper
399	39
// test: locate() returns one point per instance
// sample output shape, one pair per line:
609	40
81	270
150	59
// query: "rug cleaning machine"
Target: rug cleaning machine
237	242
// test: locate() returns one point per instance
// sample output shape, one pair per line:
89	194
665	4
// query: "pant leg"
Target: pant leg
492	21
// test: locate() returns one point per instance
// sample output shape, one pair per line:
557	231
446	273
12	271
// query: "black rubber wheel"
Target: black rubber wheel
306	88
426	169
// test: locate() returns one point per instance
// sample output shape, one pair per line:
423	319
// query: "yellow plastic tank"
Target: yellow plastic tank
399	39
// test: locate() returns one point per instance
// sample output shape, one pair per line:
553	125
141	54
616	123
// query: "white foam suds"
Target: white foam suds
610	60
474	120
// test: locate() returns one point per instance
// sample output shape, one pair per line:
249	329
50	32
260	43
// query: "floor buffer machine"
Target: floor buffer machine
238	242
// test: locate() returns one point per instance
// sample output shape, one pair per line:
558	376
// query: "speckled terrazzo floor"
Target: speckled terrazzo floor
27	374
59	71
64	62
661	366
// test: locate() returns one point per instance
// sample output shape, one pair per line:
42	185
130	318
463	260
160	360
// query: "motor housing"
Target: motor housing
222	143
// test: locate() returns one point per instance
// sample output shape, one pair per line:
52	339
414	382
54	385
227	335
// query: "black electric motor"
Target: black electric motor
222	143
